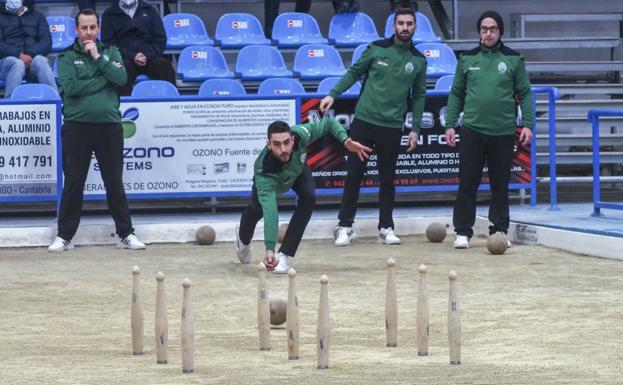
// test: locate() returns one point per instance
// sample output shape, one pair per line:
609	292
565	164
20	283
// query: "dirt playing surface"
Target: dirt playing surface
532	316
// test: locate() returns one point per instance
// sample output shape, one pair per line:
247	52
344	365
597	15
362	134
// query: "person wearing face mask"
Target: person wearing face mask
136	28
282	166
487	83
25	41
90	73
395	82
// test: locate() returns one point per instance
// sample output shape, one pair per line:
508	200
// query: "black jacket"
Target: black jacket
143	33
29	33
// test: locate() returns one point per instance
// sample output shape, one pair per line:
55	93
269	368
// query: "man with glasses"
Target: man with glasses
487	84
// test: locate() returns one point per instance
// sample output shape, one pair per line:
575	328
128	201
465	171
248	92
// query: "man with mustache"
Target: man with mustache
282	166
488	81
395	82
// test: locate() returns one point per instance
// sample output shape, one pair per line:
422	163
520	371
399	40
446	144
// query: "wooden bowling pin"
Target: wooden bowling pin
323	330
292	317
391	306
161	324
188	331
423	314
454	322
263	308
136	316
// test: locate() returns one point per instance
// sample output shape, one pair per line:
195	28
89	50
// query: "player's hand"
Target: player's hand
451	137
91	48
526	136
270	261
362	151
326	103
412	141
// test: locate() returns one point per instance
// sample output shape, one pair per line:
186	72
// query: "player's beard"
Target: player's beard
285	157
405	36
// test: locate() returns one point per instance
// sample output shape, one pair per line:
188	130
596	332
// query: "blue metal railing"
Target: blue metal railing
593	117
553	95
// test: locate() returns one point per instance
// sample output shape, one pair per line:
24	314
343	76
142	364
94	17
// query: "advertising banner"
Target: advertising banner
192	147
28	151
432	164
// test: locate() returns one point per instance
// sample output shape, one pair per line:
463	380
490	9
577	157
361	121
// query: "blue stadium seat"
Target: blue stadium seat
281	86
440	59
235	30
184	29
155	89
218	88
444	83
63	31
258	62
35	91
200	62
423	29
294	29
318	61
358	52
352	29
2	83
327	84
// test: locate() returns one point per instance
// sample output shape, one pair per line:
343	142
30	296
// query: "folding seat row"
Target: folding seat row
236	30
218	88
257	62
290	30
214	88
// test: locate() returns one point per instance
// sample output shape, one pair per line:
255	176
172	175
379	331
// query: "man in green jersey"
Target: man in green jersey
282	166
90	74
488	81
395	82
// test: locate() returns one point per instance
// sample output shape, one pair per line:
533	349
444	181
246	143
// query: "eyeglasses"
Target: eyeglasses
492	29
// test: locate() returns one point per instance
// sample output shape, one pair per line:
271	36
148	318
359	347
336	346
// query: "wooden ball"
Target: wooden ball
205	235
278	310
282	231
497	243
436	232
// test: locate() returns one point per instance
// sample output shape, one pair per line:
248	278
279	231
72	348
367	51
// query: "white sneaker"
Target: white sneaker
60	244
387	236
345	235
282	266
461	242
131	243
243	252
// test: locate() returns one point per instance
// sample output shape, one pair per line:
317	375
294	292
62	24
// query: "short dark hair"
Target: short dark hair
404	11
87	12
278	127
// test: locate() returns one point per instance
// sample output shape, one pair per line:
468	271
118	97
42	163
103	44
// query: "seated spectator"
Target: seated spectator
136	28
25	41
271	10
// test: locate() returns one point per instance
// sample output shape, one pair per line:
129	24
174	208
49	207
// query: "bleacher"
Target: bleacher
231	56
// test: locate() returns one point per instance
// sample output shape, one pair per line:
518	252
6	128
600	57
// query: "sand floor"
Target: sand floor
532	316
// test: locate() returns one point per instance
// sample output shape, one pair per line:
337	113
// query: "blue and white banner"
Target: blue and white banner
28	151
192	146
